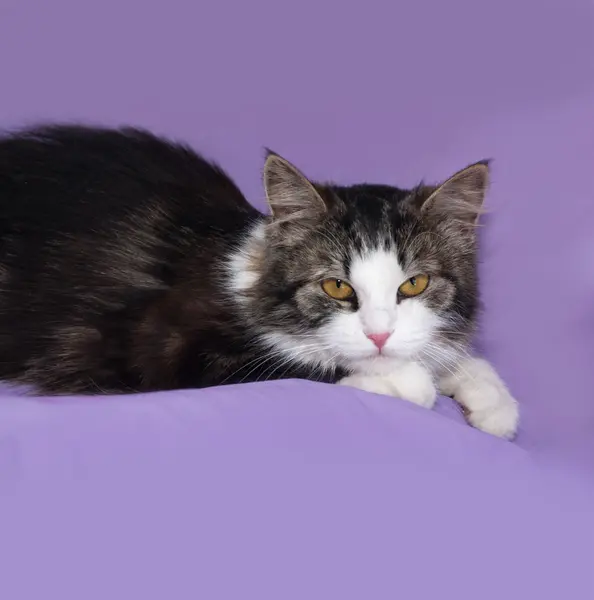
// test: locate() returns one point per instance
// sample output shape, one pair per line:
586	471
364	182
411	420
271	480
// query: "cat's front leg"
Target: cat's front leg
410	382
477	387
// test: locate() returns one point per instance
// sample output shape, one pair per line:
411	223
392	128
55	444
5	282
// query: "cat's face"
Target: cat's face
365	277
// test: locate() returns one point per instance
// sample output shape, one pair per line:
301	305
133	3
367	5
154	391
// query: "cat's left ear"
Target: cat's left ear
460	197
289	193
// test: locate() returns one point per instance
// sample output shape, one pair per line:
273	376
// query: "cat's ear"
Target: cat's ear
289	193
460	197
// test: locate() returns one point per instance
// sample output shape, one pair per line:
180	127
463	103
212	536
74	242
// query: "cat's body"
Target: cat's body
128	263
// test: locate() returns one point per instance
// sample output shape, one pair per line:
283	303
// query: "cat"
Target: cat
130	263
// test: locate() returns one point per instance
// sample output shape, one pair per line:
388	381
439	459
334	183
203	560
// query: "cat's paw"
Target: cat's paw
414	383
488	404
500	417
501	421
410	382
368	383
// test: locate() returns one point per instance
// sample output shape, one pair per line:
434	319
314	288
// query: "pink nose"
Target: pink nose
379	339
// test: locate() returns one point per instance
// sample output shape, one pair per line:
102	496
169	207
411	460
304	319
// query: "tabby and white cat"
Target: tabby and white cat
130	263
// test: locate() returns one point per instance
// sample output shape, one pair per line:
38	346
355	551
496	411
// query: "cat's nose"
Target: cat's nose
379	339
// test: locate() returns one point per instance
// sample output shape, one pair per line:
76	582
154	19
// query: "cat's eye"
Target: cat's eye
338	289
414	286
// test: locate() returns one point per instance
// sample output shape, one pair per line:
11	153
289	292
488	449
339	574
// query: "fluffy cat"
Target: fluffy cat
130	263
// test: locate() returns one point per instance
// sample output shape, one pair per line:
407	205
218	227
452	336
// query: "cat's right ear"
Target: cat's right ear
289	193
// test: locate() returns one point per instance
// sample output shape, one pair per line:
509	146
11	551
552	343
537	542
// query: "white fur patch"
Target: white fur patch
241	265
480	390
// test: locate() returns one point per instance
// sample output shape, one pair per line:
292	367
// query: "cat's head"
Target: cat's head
365	276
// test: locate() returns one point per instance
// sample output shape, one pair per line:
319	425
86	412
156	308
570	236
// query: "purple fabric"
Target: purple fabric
278	490
295	490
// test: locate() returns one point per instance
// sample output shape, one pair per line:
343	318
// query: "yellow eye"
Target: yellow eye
338	289
414	286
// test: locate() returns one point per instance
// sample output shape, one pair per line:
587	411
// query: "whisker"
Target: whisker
293	358
273	355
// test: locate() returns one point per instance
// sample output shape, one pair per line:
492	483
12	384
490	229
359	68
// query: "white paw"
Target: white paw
501	420
368	383
414	383
410	382
489	405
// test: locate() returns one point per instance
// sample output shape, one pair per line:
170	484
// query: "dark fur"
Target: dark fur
112	276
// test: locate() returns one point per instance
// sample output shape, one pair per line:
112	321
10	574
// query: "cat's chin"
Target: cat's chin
377	364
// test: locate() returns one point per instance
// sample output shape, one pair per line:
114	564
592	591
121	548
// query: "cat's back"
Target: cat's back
74	177
107	208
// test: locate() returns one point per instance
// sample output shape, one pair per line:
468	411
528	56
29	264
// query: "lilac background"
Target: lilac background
299	491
